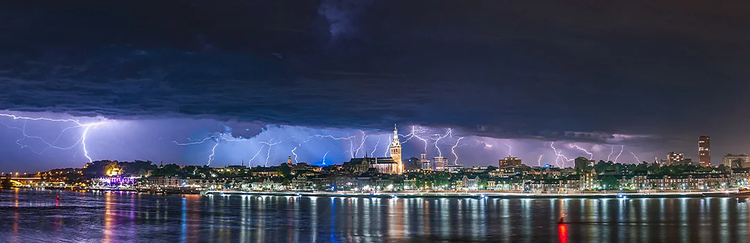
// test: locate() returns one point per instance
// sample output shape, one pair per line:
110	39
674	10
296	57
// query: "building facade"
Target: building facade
395	150
509	161
384	165
704	150
674	158
441	163
736	161
426	165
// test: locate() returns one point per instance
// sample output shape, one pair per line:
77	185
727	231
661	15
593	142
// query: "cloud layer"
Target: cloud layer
653	74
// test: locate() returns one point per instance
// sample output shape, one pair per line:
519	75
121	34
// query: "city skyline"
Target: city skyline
221	148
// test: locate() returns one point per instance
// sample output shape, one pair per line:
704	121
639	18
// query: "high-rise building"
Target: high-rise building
674	158
736	161
704	150
396	151
426	165
582	164
509	161
441	163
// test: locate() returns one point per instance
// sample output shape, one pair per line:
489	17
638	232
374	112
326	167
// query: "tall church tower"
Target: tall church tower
396	151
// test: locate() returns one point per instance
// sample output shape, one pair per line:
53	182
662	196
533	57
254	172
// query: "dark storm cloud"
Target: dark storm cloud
509	69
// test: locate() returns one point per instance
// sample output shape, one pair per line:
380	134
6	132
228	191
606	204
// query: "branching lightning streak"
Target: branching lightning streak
372	154
364	138
637	160
610	153
78	124
618	155
270	145
591	155
295	154
213	149
193	143
351	143
560	156
539	160
437	139
49	145
413	134
453	150
213	153
256	155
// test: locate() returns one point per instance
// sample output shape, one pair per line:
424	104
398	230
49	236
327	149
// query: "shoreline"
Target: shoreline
621	195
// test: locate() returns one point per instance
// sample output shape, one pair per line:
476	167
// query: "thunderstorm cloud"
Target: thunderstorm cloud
639	73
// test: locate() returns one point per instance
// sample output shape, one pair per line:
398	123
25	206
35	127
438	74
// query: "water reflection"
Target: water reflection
34	216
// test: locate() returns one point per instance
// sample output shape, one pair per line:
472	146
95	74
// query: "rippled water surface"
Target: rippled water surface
38	216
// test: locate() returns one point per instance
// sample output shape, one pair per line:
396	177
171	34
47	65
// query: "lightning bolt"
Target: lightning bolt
52	145
387	146
438	138
591	156
295	154
539	160
270	145
510	149
213	149
372	154
414	134
453	150
324	157
213	153
637	160
193	143
256	154
610	153
349	138
560	156
364	138
618	155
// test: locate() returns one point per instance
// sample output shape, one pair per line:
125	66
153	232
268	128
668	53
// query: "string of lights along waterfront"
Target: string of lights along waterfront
374	121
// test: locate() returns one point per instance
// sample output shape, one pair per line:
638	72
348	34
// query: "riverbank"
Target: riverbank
489	194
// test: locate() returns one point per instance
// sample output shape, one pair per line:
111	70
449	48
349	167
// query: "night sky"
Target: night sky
628	78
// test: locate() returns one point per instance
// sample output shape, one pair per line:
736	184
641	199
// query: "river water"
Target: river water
38	216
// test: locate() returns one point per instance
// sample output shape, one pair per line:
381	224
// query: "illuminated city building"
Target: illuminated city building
384	165
674	158
441	163
736	161
704	150
426	165
395	150
509	161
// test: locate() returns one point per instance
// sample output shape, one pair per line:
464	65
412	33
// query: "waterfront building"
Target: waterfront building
441	163
454	168
582	164
704	150
467	183
509	161
384	165
426	165
736	161
674	158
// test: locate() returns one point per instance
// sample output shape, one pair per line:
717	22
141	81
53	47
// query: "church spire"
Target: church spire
395	141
